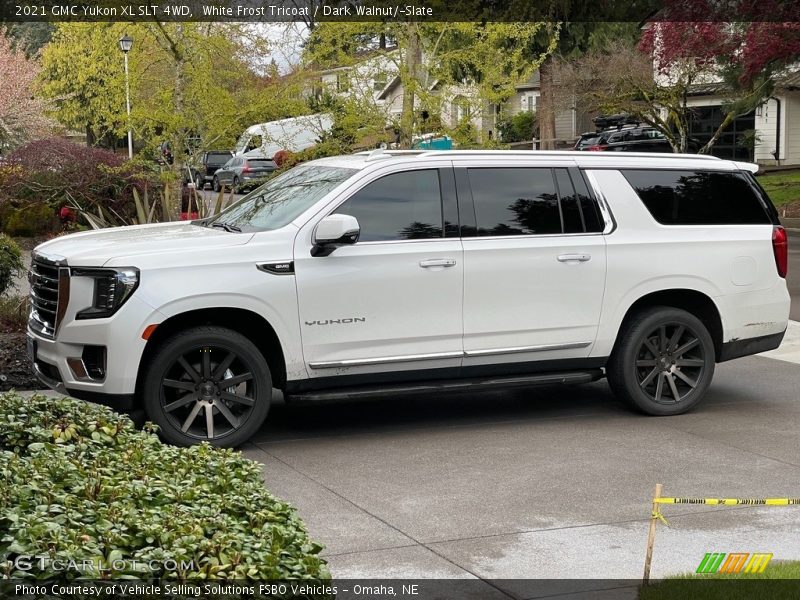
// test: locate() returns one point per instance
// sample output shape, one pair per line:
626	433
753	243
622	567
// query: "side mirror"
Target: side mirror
335	231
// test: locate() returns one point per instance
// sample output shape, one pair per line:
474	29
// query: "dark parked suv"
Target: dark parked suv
211	162
620	133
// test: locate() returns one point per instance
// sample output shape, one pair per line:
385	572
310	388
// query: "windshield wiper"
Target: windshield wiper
227	227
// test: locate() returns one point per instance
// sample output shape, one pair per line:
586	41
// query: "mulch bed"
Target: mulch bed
15	368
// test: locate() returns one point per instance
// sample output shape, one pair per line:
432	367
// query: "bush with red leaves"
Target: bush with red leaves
59	173
281	157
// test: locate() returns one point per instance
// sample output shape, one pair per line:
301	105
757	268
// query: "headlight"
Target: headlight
112	287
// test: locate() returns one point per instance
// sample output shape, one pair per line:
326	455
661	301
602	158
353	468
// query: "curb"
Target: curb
790	223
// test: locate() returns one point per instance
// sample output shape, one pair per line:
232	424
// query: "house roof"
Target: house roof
790	81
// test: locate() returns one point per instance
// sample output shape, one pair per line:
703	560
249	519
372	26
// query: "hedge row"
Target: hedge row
80	483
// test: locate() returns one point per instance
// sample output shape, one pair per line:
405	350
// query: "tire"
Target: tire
663	361
185	387
215	185
235	187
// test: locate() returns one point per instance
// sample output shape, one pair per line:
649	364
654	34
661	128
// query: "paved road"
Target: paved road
794	273
549	482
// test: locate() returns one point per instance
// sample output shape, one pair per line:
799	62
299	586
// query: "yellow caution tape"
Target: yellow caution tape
656	514
730	501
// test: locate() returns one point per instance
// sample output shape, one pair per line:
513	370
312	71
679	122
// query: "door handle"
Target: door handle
437	262
574	257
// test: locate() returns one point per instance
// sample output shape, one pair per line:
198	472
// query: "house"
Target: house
770	135
376	77
571	119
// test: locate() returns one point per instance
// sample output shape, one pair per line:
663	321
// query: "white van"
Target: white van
293	134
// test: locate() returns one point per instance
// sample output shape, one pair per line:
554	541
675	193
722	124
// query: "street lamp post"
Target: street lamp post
125	44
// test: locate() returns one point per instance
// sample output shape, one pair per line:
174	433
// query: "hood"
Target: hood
96	248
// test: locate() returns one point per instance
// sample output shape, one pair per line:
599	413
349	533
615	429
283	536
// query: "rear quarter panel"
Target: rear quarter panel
733	265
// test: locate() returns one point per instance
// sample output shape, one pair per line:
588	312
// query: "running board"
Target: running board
472	384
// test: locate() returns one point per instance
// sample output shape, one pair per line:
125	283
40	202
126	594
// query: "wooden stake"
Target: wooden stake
651	536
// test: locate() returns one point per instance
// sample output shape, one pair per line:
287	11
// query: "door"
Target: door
225	174
392	302
535	265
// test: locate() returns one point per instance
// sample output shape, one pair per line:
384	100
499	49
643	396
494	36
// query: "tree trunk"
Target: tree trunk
545	112
412	66
723	126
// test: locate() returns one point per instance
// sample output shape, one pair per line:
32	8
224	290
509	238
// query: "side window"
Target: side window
570	206
592	218
402	206
515	201
698	197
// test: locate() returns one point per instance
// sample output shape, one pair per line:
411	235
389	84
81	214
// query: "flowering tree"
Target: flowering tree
22	113
745	57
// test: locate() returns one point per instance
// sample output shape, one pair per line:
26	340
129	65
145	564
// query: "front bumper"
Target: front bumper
120	335
118	402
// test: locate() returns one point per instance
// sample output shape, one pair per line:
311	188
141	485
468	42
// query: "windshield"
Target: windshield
280	200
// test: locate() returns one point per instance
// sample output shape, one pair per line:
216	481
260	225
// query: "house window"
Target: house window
460	111
530	102
379	82
342	82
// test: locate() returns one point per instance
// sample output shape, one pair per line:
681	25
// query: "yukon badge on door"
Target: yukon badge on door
338	321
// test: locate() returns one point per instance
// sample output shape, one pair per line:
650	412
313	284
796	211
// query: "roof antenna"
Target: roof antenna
375	154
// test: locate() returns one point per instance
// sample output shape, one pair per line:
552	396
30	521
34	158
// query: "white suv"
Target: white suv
388	272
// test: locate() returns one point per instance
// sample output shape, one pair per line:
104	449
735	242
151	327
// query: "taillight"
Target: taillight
780	246
597	148
246	168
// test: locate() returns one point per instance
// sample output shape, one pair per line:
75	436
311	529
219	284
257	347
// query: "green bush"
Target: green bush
29	220
79	482
519	128
10	262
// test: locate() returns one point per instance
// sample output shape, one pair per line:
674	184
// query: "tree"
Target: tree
189	81
575	35
654	79
489	59
32	36
746	57
22	111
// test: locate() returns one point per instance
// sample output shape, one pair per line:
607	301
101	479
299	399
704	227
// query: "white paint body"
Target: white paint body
482	295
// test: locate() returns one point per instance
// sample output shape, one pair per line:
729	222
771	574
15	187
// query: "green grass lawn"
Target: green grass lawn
780	580
782	187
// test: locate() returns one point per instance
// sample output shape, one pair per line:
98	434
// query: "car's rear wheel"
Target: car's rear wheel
235	184
208	384
663	362
215	184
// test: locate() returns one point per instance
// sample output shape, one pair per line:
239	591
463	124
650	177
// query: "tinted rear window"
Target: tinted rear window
258	164
515	201
218	159
698	197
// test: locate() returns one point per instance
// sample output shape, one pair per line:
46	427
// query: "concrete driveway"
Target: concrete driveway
544	483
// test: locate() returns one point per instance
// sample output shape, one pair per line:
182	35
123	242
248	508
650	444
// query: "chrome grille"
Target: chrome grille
44	277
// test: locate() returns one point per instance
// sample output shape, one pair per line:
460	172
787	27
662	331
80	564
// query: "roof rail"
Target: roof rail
565	153
380	153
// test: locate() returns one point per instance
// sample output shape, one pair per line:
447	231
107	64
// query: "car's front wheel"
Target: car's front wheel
207	384
663	361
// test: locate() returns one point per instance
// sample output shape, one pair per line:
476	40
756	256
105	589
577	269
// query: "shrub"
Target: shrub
519	128
81	483
55	173
29	220
10	263
13	314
